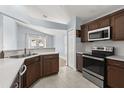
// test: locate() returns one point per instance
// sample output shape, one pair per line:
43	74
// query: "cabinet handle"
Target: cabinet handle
25	68
16	85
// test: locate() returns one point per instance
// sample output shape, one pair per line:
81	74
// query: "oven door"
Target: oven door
94	66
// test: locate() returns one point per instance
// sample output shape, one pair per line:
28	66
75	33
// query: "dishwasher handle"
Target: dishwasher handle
24	67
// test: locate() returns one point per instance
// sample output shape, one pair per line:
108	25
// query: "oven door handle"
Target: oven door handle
95	58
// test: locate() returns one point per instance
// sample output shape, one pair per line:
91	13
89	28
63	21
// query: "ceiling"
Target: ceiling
59	13
63	13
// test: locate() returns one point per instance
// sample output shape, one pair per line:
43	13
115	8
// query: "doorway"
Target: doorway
71	46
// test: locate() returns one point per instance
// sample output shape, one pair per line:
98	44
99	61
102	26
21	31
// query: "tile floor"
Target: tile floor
62	62
66	78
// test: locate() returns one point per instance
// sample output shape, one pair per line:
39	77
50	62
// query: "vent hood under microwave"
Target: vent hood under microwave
99	34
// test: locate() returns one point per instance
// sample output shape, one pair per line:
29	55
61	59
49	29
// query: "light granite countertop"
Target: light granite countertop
84	52
9	67
115	57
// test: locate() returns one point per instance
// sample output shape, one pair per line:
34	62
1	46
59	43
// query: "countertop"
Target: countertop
85	52
115	57
9	67
79	52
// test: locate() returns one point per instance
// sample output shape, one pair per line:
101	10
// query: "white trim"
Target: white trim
99	30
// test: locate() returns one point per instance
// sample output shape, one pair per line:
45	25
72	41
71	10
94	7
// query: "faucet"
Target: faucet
25	51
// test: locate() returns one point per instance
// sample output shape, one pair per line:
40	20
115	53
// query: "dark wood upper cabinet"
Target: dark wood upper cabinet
78	33
118	26
79	62
84	33
104	22
115	20
115	74
99	23
93	25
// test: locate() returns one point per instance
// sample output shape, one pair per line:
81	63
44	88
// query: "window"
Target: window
36	41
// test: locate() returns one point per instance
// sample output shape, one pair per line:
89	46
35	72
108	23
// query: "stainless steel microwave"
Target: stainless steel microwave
99	34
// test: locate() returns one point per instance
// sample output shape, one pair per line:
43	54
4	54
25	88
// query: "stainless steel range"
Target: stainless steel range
94	64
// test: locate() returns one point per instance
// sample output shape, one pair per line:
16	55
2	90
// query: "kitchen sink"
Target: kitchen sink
23	55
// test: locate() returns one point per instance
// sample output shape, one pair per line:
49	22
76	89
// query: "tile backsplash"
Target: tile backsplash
119	46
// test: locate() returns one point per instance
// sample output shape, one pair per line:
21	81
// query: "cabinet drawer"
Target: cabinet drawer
115	63
32	60
51	56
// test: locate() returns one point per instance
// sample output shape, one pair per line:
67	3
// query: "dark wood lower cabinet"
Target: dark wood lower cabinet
33	71
32	74
79	62
50	64
115	74
38	67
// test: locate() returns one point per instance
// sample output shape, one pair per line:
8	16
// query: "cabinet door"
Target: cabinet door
55	65
84	33
79	62
46	67
50	64
41	66
118	26
32	74
78	33
37	70
104	22
115	77
93	25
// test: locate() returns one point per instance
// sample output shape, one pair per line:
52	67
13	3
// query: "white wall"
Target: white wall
79	44
60	45
9	34
78	23
22	31
1	32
